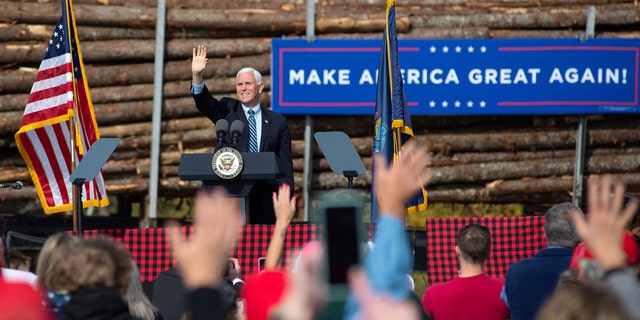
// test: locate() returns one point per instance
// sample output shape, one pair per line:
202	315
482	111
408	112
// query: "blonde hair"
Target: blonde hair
587	301
87	264
50	259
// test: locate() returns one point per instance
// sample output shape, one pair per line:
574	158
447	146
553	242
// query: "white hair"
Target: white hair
256	74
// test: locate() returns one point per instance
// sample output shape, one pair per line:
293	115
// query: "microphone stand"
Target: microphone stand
221	134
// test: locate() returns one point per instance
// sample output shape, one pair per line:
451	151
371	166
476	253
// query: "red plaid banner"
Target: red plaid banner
512	239
149	248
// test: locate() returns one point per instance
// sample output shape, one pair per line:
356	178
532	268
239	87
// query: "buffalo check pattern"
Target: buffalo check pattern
150	250
512	239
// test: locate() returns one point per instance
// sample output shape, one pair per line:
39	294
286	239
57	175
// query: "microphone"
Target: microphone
237	127
16	185
222	128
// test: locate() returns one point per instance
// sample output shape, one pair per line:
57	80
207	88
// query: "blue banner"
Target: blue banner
459	77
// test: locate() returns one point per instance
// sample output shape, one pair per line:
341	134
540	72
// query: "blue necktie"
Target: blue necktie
253	132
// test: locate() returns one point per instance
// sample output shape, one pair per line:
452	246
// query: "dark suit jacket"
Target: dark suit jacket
529	282
275	138
169	295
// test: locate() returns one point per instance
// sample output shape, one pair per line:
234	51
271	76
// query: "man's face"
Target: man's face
248	90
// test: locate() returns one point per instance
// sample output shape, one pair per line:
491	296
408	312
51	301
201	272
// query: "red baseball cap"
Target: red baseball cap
629	246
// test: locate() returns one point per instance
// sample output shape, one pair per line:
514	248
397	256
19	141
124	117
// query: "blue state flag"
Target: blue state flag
392	119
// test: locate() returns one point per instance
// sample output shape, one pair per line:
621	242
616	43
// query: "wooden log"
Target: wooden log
49	13
133	92
21	80
511	141
273	4
113	113
532	185
349	24
516	18
481	157
144	128
510	33
276	21
417	33
526	190
42	32
135	49
293	21
475	173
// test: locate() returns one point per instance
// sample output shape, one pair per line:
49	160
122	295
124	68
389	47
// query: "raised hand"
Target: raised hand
602	230
398	182
284	205
198	63
217	223
285	208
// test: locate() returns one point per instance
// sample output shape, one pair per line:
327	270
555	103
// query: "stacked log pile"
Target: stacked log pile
497	159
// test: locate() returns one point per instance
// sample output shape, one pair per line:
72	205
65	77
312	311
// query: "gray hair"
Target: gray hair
256	74
558	226
139	305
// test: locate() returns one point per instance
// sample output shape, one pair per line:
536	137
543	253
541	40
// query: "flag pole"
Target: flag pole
74	190
72	127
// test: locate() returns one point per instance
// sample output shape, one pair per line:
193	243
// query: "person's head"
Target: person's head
558	226
139	305
54	250
628	246
588	300
473	243
249	85
93	263
121	262
568	278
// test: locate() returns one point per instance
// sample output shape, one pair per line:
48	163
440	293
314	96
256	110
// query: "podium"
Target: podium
257	166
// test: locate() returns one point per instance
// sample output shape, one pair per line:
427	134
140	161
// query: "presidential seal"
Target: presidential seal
227	163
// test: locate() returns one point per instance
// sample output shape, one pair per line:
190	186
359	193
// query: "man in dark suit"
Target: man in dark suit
529	282
271	129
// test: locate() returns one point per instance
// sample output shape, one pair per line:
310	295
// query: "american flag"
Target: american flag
59	94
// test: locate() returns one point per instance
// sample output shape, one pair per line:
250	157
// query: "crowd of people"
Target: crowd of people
587	271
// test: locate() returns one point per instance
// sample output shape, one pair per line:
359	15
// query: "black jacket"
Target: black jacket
102	303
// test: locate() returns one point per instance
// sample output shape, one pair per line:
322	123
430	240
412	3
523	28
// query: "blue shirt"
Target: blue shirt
387	265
